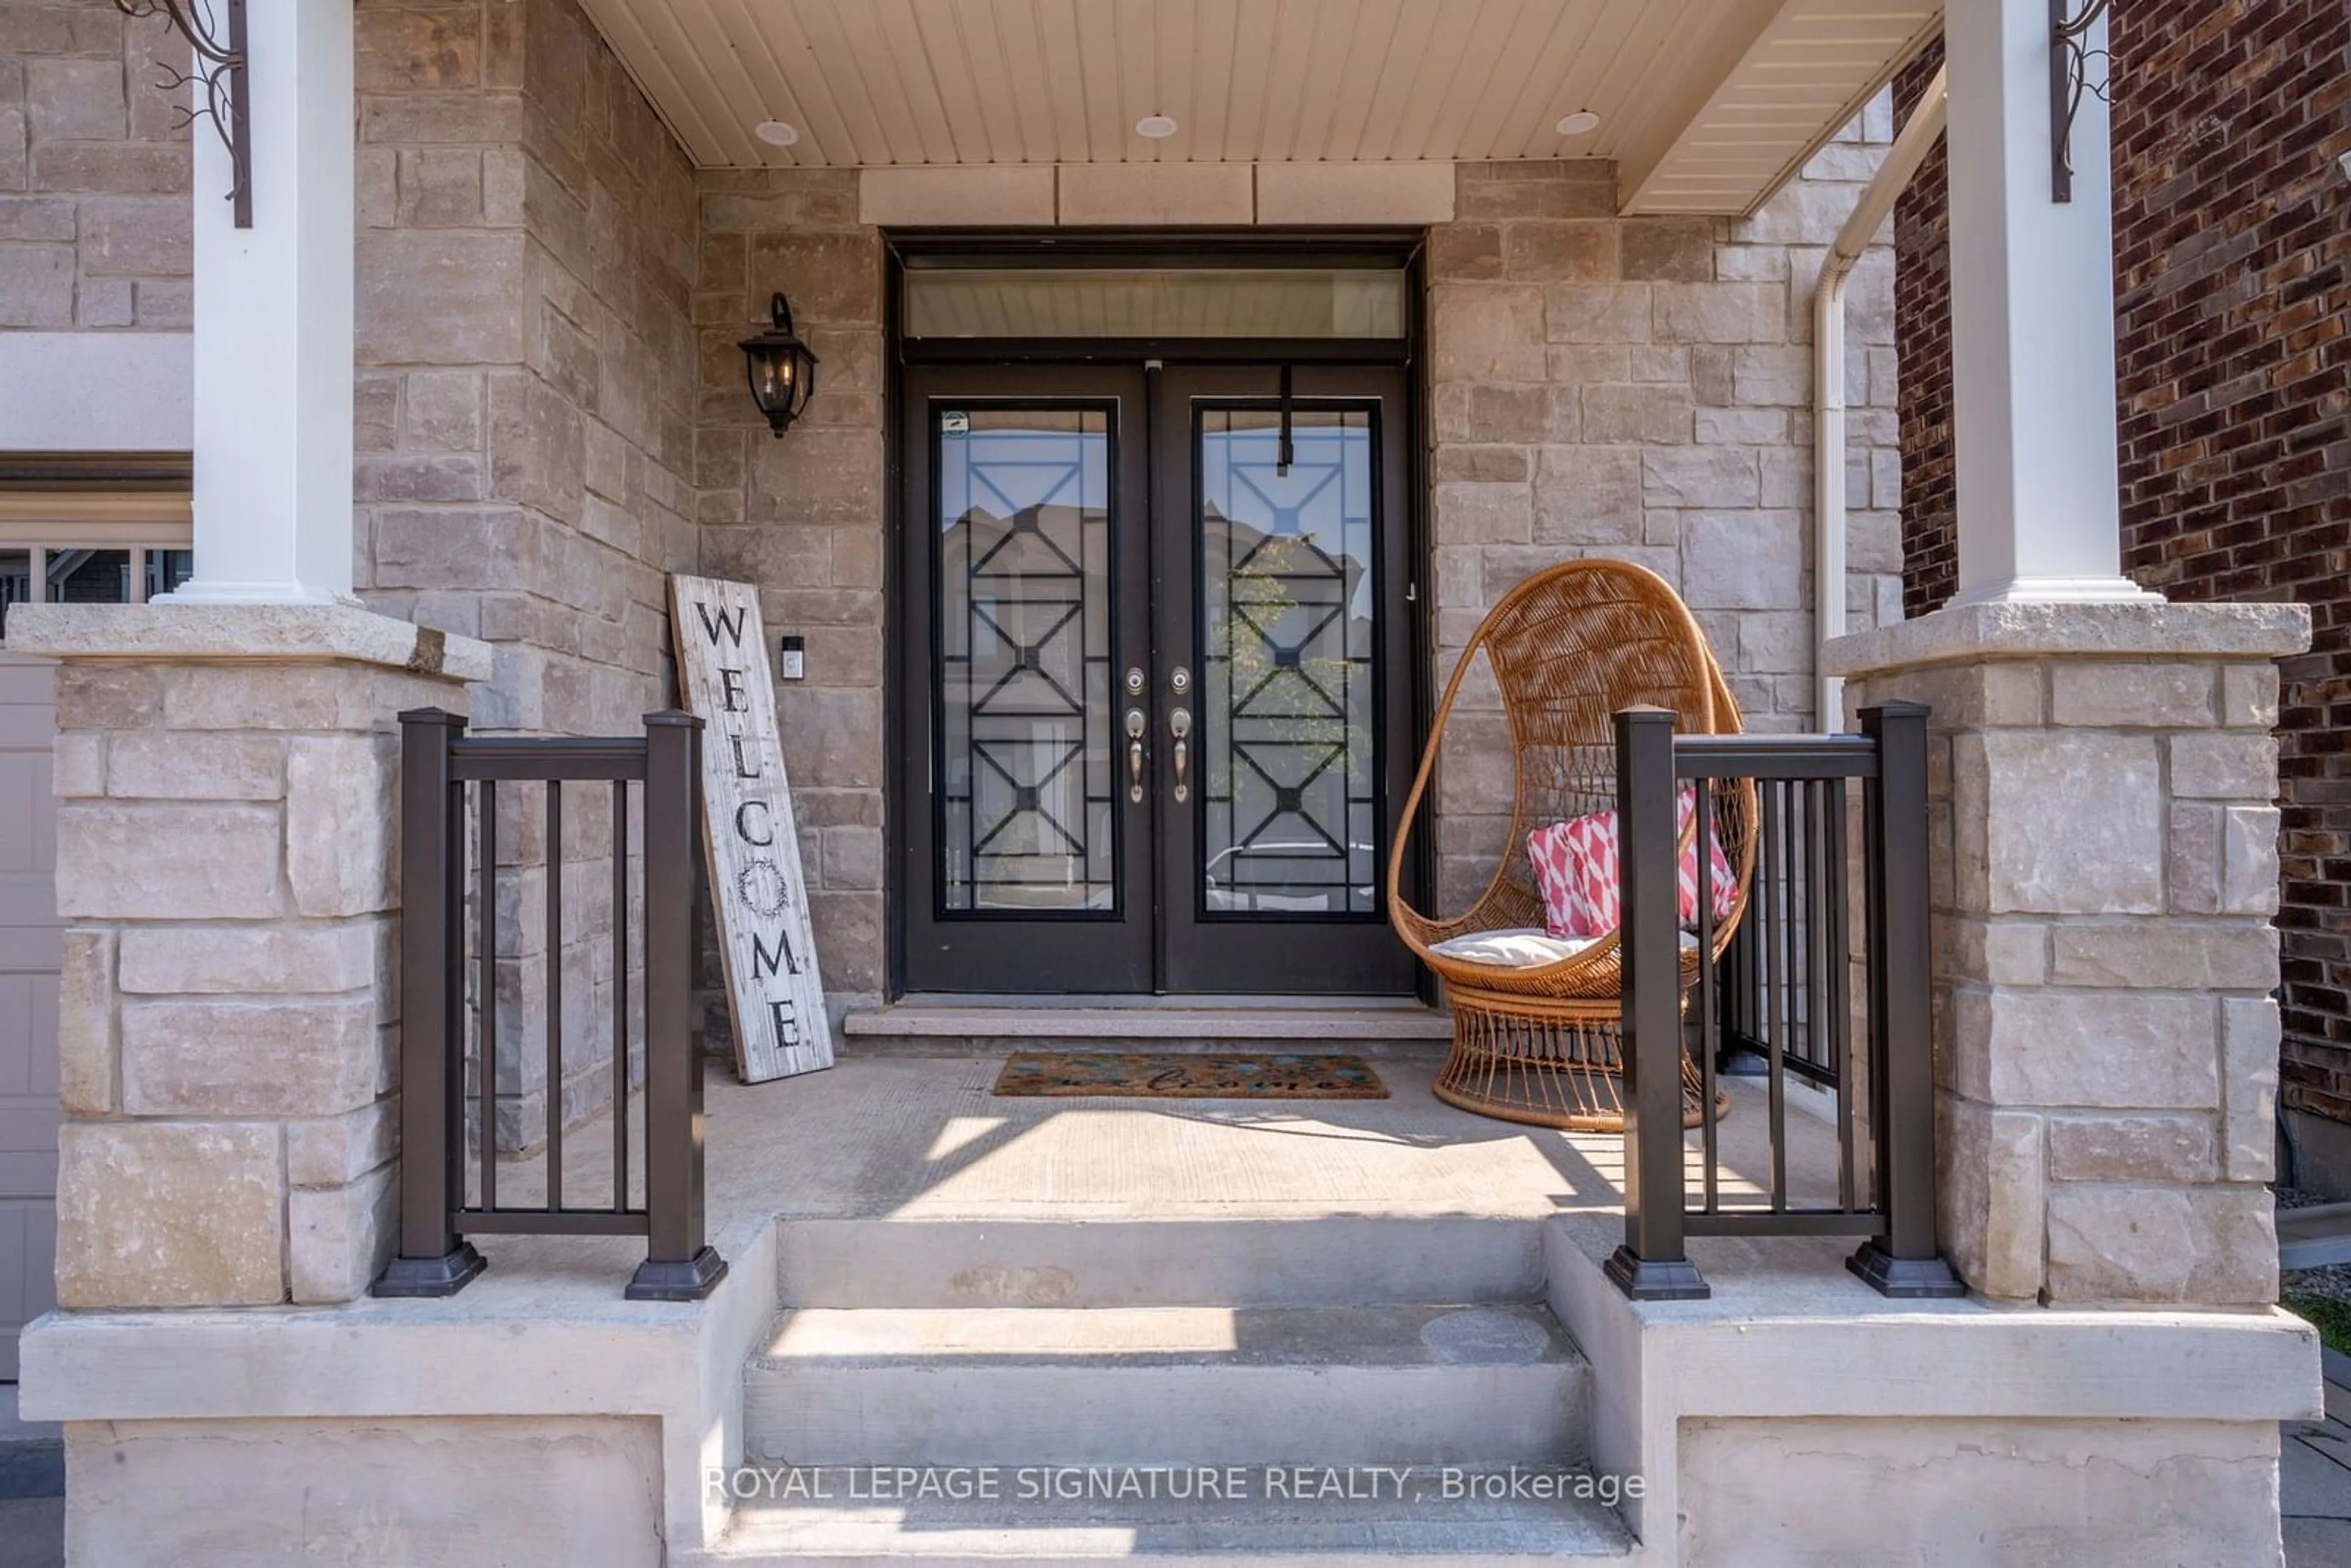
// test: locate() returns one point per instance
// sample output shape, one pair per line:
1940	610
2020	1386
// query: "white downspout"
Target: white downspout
1909	149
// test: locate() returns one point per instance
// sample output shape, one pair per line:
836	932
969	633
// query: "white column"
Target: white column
2032	321
273	330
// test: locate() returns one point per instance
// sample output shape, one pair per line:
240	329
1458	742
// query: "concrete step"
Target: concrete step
1428	1517
1488	1385
1327	1260
933	1025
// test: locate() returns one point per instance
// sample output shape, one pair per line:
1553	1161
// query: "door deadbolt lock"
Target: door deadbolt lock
1179	680
1135	680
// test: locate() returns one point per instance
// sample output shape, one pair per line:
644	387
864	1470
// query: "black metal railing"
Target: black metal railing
440	1046
1785	994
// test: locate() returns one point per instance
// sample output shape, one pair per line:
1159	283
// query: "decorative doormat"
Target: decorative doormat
1276	1076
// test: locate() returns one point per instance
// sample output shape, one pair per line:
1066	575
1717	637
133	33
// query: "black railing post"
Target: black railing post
680	1265
1903	1262
1652	1264
432	1260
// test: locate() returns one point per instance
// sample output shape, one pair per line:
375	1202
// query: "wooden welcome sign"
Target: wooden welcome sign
747	823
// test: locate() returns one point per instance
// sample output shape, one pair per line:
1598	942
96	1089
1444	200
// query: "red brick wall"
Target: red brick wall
1922	343
2233	237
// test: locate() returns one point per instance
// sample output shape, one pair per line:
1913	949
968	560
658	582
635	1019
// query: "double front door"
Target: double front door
1154	678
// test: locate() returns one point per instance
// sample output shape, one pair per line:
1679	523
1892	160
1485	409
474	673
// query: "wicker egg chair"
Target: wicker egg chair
1568	647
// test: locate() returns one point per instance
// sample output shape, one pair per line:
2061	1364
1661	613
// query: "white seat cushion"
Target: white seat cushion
1516	948
1520	947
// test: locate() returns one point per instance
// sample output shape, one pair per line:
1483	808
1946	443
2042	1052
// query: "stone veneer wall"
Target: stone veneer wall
1642	389
94	216
526	425
804	518
226	839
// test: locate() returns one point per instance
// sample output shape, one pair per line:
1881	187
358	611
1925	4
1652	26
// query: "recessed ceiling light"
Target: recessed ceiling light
777	133
1157	127
1582	123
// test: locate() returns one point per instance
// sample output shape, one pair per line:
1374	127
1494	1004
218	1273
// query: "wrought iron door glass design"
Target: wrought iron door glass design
1023	774
1288	608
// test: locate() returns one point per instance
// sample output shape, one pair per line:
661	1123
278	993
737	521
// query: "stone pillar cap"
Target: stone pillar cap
266	633
2121	629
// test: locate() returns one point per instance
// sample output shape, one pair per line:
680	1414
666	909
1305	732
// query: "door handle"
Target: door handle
1135	725
1179	724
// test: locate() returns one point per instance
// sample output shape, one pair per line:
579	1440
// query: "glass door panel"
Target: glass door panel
1288	606
1024	775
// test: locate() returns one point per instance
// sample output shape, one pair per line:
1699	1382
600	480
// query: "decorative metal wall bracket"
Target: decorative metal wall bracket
2069	77
222	95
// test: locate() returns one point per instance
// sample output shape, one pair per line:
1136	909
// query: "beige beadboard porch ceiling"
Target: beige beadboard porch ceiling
1706	105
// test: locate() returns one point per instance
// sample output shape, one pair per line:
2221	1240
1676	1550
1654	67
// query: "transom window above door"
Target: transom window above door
1141	303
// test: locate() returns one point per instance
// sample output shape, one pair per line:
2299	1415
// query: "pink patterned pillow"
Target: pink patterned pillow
1575	866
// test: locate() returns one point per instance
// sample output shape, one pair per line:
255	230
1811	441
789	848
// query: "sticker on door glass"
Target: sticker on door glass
955	422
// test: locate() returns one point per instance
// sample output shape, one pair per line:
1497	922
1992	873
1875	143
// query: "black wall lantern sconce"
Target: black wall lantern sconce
782	369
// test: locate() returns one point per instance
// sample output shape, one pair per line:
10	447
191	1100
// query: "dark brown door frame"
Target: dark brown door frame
903	792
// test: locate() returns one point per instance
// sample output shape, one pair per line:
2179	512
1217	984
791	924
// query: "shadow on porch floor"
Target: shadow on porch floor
922	1138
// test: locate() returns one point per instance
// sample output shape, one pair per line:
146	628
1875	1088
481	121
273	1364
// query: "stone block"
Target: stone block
77	765
2225	765
70	99
1461	251
2093	1048
1474	412
1588	495
308	959
1742	560
1532	188
537	448
338	1238
1483	514
1987	695
162	765
1709	476
283	1057
2249	696
1990	1191
2131	1148
106	696
2006	952
332	1151
430	297
832	278
440	187
1596	313
169	1215
1719	312
2223	859
1562	251
1655	413
1487	332
1773	375
443	412
232	696
1741	427
853	859
2250	1031
938	196
823	476
157	863
2167	953
86	1034
1667	250
2211	1246
476	547
2131	695
2071	821
36	286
